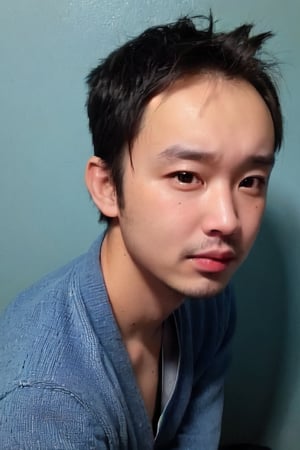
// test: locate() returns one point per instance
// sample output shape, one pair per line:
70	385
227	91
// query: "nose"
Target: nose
221	213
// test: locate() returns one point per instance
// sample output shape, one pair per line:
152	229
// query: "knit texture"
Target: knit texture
66	381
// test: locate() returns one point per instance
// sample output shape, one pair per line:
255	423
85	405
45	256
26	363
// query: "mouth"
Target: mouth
213	261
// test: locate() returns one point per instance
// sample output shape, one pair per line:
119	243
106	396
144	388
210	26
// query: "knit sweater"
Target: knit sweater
66	381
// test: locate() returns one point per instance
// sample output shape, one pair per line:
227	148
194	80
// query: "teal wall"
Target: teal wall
47	48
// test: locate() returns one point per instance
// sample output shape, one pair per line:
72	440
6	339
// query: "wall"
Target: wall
46	49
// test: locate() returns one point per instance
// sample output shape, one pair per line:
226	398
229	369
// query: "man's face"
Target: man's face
196	189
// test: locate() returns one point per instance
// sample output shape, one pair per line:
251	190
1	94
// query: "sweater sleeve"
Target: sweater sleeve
35	417
201	426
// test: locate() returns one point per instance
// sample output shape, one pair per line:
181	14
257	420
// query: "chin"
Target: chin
207	289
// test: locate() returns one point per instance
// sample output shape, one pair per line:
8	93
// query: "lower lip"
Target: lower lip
211	265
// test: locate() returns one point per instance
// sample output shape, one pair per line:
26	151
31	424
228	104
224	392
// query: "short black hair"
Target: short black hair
122	85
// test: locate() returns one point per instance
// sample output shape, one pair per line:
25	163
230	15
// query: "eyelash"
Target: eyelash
260	180
185	173
190	179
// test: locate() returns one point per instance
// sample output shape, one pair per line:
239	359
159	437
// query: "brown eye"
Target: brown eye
253	182
185	177
247	182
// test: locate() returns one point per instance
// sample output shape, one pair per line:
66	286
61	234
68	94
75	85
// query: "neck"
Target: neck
140	302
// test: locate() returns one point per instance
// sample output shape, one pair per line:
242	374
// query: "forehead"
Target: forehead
207	96
210	110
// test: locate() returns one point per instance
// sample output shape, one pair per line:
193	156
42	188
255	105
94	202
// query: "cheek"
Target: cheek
252	218
156	222
153	203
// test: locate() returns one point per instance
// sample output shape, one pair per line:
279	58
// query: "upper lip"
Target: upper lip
221	255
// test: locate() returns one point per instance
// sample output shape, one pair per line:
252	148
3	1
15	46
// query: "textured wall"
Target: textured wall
46	50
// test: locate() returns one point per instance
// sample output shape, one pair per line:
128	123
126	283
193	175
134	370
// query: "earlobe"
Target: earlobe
100	186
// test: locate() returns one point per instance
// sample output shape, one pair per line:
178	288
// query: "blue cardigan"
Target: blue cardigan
66	381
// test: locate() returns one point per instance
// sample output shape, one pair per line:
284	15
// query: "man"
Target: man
126	347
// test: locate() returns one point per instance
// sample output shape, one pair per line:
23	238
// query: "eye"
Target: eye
254	183
186	177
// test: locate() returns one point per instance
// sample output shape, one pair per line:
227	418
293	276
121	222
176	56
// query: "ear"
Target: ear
100	186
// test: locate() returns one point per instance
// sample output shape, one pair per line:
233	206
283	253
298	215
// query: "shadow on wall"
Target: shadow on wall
261	287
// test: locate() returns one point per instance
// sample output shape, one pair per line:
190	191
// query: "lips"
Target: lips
216	254
213	260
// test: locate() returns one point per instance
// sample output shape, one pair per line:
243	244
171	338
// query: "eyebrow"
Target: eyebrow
179	152
262	160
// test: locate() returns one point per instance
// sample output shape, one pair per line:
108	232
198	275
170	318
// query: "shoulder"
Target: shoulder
45	327
39	301
43	299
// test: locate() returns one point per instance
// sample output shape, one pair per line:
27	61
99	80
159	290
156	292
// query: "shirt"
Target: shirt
66	381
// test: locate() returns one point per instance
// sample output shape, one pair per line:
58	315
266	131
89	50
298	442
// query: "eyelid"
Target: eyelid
186	172
261	179
257	177
192	183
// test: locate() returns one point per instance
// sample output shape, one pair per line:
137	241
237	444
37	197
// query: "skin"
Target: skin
194	197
